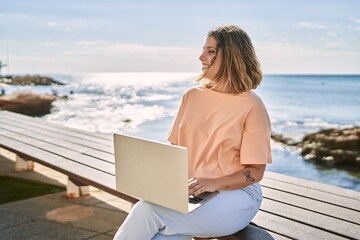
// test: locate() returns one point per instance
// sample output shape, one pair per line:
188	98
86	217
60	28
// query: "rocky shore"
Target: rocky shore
27	103
332	147
28	80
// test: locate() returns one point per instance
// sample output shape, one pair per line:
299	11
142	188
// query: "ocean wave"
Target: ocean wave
153	98
109	118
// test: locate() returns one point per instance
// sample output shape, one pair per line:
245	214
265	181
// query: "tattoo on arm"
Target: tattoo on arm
248	176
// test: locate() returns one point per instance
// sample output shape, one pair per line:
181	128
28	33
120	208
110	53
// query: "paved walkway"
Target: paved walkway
54	216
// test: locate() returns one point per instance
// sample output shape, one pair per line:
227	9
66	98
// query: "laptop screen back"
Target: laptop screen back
153	171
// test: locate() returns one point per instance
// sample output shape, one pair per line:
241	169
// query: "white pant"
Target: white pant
225	214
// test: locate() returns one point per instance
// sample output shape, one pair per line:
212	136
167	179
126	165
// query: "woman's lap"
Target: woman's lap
226	213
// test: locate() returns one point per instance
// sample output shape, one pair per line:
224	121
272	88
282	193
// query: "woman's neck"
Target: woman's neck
220	87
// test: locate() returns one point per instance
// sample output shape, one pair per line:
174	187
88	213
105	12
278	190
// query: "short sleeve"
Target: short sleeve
255	145
174	130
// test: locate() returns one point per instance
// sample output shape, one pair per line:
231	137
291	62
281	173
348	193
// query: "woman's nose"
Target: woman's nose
201	57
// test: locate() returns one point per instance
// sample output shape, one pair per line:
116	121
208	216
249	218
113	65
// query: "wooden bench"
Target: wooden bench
292	208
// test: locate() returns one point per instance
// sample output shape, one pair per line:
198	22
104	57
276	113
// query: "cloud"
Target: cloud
103	48
355	20
332	45
328	58
50	24
53	44
310	25
66	26
105	56
331	34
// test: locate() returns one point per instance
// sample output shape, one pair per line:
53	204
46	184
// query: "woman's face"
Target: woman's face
210	58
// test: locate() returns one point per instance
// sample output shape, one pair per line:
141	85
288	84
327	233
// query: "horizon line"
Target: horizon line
279	74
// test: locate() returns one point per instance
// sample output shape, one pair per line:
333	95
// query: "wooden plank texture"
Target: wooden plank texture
310	193
70	155
314	185
91	149
85	174
16	116
292	229
310	218
312	205
56	128
102	144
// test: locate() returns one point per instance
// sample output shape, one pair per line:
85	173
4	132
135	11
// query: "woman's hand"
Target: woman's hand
242	178
200	185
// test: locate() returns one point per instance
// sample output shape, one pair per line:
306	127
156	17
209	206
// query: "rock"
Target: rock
282	139
29	80
27	103
332	146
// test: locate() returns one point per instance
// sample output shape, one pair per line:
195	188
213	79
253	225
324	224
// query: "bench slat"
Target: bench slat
312	194
58	133
316	220
37	123
314	185
290	228
85	174
59	142
17	116
70	155
312	205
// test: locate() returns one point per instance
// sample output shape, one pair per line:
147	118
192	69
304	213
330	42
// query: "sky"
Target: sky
78	36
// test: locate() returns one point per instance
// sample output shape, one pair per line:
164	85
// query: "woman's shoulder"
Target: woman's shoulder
253	96
250	97
256	103
194	90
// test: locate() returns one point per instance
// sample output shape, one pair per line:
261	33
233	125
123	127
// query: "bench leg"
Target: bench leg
76	188
22	165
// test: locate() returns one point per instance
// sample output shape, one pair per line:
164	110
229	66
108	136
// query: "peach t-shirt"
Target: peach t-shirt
221	131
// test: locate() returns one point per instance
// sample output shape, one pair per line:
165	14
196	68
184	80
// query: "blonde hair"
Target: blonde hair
240	68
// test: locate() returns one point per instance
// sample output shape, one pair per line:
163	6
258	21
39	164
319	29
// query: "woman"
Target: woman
226	128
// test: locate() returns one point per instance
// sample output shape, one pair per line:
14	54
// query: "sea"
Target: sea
144	105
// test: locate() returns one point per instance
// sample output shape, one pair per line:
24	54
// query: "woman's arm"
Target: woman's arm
249	175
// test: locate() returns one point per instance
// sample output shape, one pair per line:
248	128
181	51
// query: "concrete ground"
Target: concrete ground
54	216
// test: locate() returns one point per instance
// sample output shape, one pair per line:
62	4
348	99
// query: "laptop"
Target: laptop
155	172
